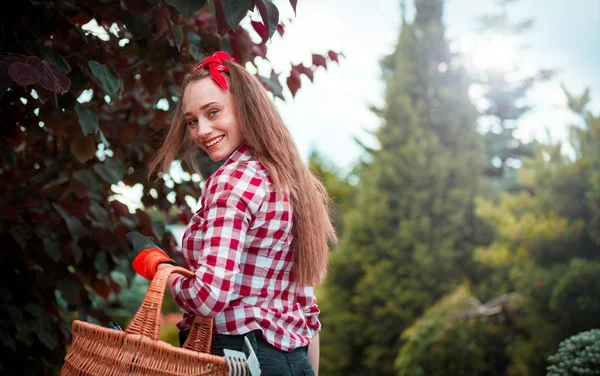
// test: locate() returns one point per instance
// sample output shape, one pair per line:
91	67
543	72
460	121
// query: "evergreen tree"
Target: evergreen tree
548	244
409	241
338	186
505	88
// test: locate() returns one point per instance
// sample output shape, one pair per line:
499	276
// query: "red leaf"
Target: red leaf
269	14
145	223
101	288
120	209
54	80
259	50
161	20
222	26
24	74
280	29
293	84
333	56
262	30
319	61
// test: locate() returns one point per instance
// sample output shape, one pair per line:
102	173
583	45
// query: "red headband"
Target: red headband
215	66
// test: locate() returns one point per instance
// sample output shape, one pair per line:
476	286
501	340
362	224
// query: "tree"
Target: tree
505	89
409	241
459	336
338	186
81	111
547	244
577	355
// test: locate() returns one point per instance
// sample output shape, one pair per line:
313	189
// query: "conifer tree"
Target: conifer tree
506	87
410	238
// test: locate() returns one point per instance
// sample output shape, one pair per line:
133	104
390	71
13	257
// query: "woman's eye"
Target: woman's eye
191	122
212	113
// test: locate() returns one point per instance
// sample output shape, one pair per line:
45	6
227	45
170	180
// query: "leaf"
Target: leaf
77	252
161	20
112	170
274	85
89	179
119	208
195	52
52	248
235	11
222	26
76	229
101	288
54	80
261	30
101	263
83	148
53	57
87	119
333	56
105	75
299	69
102	215
70	289
269	14
186	7
8	154
177	35
294	3
319	61
293	84
24	74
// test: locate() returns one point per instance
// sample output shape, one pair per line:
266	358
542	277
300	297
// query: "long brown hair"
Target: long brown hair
271	144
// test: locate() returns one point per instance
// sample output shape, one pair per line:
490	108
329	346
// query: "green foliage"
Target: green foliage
338	186
455	336
578	355
83	110
545	246
408	240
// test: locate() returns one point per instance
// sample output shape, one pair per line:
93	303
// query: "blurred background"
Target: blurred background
459	140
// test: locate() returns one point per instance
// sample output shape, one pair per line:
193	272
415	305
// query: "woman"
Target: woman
260	241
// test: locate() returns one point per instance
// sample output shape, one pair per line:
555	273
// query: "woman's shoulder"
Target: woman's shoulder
241	176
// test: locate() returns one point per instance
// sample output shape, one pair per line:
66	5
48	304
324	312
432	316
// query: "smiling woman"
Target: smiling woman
260	240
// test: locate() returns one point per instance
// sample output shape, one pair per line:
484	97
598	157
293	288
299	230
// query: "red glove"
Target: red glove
146	262
145	254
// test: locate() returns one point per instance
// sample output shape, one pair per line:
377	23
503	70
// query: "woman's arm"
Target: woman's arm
313	353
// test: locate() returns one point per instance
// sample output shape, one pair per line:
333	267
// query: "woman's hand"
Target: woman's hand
145	254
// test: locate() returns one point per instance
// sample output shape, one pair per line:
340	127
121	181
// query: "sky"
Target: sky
330	112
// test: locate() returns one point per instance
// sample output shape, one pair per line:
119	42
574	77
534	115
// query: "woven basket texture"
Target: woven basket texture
138	350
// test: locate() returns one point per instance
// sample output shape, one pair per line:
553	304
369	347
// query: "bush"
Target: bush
577	355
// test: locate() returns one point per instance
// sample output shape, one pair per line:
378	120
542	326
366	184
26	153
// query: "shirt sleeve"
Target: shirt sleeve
308	301
231	200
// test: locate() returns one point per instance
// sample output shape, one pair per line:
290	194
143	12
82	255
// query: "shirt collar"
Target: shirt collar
242	153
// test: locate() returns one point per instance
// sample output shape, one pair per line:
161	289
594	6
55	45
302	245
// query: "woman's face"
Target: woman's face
212	123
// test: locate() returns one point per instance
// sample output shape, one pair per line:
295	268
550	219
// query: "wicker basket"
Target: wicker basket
97	350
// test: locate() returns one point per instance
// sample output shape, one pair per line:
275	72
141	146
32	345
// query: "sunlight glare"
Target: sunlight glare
496	53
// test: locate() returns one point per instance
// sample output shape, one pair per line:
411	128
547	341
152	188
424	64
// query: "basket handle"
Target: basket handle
146	320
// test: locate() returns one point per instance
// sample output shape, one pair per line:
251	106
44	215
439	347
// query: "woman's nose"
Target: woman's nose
204	129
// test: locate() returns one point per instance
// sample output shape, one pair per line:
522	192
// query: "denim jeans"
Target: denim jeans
273	362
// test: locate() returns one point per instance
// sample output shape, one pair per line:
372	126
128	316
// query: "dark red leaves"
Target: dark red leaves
319	61
29	70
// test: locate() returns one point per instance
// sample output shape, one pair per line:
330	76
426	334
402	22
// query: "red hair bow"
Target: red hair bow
215	66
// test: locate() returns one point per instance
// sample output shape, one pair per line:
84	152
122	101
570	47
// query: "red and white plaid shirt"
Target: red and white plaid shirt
239	245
